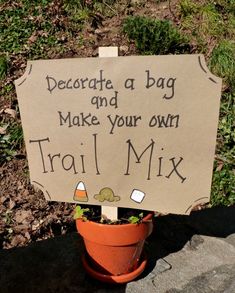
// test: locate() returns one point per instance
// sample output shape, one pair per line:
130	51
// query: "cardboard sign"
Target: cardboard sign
134	132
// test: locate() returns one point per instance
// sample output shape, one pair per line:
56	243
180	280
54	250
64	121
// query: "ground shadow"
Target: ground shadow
54	265
49	266
172	232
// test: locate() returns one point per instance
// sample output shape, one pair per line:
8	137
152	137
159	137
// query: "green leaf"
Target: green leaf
3	67
79	213
135	219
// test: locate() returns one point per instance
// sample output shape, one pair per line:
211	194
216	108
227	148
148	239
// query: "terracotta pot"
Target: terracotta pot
114	250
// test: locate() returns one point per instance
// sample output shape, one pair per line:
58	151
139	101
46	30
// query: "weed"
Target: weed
3	67
223	187
10	141
222	62
30	28
80	213
136	219
81	11
226	130
225	6
154	36
223	183
7	217
187	8
205	23
211	21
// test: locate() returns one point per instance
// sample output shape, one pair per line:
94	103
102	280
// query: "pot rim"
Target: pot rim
147	218
115	235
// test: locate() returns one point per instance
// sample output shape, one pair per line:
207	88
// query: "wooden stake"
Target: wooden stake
110	212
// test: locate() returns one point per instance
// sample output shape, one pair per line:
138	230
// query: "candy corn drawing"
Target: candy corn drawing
80	193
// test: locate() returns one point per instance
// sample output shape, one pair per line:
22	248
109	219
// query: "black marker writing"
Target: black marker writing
41	150
162	83
99	83
123	121
164	121
138	158
175	169
100	101
53	162
80	120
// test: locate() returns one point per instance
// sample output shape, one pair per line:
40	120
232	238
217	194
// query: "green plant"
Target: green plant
28	28
211	22
81	11
136	219
188	7
11	140
223	187
207	22
94	214
80	213
223	183
225	6
222	62
154	36
226	130
3	67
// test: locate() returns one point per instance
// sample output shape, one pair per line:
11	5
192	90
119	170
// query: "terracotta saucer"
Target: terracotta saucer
120	279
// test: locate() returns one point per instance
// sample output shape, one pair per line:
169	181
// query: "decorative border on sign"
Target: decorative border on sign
45	191
200	61
29	72
196	201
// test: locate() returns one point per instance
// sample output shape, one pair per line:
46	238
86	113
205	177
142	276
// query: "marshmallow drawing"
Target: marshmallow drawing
137	195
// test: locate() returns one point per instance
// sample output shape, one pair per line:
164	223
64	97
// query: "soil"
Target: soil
25	215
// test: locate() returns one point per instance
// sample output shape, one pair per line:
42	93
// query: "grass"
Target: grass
11	141
207	22
222	62
226	130
3	66
223	187
20	27
223	184
83	11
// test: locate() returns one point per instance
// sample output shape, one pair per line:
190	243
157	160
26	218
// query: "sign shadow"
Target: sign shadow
172	232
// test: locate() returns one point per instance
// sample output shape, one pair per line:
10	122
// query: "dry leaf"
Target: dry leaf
2	130
3	199
33	38
18	240
11	204
27	235
11	112
22	228
20	216
220	166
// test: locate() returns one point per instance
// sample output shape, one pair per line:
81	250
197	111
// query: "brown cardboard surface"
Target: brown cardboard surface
134	132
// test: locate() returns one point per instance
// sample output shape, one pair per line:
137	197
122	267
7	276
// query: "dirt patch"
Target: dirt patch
25	215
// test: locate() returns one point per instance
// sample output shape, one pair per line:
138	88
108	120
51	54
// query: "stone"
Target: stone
162	266
194	242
